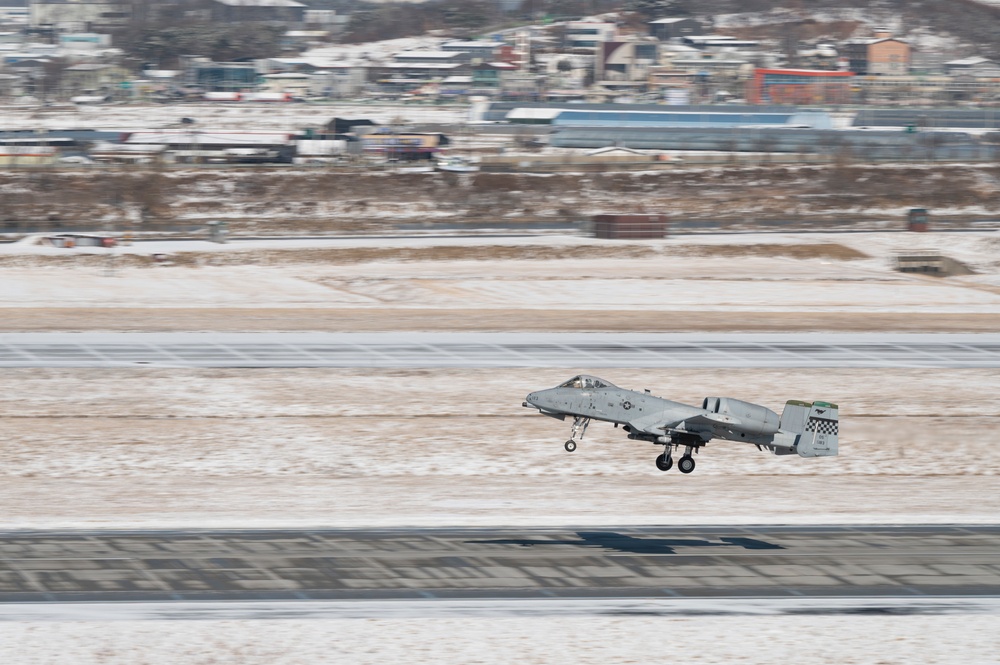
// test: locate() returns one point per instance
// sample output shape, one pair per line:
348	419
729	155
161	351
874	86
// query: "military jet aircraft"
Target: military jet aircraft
809	429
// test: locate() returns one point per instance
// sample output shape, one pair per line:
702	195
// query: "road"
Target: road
503	563
583	350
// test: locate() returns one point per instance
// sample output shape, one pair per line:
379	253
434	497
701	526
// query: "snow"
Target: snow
870	18
674	274
805	639
828	15
174	447
440	608
285	448
178	448
229	448
380	51
222	116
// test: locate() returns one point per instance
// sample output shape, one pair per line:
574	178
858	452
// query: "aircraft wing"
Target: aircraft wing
699	423
705	420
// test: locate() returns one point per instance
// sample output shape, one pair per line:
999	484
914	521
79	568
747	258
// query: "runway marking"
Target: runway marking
685	562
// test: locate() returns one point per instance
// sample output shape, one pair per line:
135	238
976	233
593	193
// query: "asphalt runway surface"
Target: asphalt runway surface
767	562
482	350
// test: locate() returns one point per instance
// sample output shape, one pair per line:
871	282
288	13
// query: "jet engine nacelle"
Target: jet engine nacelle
753	418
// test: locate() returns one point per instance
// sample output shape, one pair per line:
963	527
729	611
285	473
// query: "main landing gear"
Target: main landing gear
579	425
685	464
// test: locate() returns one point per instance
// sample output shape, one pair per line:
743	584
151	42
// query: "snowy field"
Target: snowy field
170	447
549	640
220	116
713	273
436	447
321	447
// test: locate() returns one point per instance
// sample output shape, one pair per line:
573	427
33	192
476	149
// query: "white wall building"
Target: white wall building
80	15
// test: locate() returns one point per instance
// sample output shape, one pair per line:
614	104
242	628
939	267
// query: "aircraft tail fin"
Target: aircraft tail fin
820	436
818	426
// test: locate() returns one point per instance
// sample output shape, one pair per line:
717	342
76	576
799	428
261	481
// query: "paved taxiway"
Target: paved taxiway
497	350
636	562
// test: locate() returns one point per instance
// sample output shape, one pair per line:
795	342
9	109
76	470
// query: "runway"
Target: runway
740	562
483	350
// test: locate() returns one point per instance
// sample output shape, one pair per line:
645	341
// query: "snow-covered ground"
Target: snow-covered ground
737	273
286	448
220	116
351	447
553	640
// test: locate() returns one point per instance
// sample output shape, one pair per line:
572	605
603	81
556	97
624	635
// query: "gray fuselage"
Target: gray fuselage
645	416
610	404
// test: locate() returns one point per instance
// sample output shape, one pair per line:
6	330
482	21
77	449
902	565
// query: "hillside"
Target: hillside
328	200
958	27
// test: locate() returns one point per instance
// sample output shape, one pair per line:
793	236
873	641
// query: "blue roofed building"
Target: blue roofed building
694	119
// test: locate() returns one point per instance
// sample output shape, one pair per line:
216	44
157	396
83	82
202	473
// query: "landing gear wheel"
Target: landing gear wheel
663	463
570	446
685	464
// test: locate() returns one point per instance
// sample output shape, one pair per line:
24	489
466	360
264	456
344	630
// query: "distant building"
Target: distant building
296	84
14	11
481	51
201	145
718	41
799	86
80	15
84	41
976	67
220	76
488	76
403	146
521	85
299	40
588	34
882	55
327	19
271	11
433	56
710	64
93	77
452	86
408	73
10	85
673	28
339	81
625	61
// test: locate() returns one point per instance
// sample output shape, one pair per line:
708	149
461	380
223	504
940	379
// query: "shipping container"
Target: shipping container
918	220
630	226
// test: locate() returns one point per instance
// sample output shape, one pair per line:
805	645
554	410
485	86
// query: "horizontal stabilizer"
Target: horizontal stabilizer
795	415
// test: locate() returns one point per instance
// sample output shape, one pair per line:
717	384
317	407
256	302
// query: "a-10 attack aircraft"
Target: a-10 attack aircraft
808	429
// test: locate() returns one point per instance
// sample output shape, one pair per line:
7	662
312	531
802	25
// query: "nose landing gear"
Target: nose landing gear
579	425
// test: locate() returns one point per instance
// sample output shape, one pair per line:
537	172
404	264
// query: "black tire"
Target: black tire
686	464
570	446
664	464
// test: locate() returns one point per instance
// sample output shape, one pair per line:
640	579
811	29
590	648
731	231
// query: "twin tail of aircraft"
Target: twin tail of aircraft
806	429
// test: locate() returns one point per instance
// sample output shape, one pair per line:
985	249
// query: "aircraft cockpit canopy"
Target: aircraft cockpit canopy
585	382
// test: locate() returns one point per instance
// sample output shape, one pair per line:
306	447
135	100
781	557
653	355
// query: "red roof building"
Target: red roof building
799	86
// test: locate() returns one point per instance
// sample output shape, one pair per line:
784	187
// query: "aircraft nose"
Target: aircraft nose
530	400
